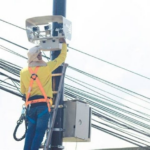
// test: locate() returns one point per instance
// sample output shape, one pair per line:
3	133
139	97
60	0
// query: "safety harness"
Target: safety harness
34	77
23	116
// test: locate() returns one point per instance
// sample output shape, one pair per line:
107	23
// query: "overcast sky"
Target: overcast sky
117	31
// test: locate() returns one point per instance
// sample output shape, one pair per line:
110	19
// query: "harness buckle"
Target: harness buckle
34	76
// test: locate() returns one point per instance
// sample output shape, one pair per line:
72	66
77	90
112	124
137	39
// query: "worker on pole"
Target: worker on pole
36	84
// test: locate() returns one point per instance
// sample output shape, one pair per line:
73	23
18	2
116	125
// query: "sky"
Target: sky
117	31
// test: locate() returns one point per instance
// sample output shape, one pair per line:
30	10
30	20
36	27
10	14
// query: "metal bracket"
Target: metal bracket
58	129
58	146
59	106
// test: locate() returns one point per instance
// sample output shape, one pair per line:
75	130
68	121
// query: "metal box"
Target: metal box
77	121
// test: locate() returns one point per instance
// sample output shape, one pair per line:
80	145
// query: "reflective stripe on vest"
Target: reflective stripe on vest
34	77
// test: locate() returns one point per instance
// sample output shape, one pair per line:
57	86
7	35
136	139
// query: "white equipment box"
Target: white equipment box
77	121
40	30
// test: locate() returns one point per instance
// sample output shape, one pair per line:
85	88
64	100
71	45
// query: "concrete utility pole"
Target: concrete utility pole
59	8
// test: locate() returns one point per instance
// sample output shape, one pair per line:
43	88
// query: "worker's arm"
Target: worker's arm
60	59
22	88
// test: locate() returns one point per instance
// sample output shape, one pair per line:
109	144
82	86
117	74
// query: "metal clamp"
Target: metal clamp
59	106
23	113
58	129
58	146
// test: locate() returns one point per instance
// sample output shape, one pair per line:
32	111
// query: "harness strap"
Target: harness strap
31	120
42	113
35	77
39	115
31	84
38	101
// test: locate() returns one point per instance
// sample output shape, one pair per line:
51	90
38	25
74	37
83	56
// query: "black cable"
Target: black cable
12	92
9	77
112	120
76	81
8	50
12	24
90	55
19	122
101	80
104	110
120	130
120	136
117	114
106	99
111	63
107	82
98	100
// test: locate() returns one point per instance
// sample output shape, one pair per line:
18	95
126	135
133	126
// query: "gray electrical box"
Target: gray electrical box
77	121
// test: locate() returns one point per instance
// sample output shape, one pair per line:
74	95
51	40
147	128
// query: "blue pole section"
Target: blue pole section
59	8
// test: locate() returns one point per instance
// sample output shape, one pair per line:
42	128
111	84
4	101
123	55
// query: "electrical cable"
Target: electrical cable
125	132
90	55
105	110
76	81
120	136
15	71
110	63
120	115
106	82
107	99
99	100
12	24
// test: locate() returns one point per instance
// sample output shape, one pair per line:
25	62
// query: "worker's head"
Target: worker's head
35	56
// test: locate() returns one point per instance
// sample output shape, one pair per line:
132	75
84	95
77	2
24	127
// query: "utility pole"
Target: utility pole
59	8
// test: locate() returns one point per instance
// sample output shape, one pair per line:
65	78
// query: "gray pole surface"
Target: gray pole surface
59	8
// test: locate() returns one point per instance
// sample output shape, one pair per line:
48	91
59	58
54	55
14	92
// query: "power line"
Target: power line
13	43
15	71
89	85
12	24
94	77
125	132
110	63
114	112
90	55
129	128
82	94
108	83
92	96
8	50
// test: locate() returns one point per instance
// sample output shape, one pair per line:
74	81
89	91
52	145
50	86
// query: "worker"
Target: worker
36	84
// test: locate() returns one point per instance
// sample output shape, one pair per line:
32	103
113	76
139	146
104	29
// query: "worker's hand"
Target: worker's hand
62	40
